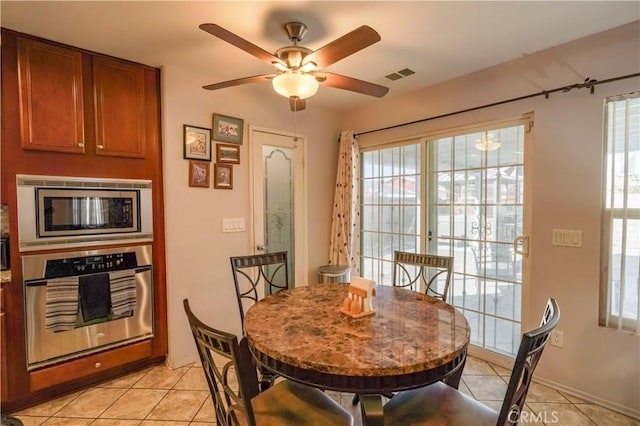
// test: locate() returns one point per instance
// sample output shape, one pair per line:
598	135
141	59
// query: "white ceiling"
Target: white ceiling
438	40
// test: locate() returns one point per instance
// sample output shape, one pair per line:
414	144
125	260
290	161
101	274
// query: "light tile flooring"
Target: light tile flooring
163	397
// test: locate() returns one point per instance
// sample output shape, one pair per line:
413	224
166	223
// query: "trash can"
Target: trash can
334	274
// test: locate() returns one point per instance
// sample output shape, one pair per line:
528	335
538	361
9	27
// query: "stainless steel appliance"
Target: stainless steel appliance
64	212
89	332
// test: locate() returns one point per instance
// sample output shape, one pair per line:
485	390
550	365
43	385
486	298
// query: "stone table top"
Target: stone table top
301	332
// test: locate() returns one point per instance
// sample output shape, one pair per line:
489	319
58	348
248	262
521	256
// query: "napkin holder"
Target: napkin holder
359	300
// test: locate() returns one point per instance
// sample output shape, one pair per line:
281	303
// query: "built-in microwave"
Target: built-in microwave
61	212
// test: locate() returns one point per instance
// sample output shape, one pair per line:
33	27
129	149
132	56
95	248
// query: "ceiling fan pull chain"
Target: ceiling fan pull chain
295	119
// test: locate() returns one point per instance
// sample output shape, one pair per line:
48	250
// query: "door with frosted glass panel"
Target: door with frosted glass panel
276	190
475	209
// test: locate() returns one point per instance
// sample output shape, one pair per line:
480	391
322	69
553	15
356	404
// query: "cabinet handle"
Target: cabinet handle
98	364
81	144
100	146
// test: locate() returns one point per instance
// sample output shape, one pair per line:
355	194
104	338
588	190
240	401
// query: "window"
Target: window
620	279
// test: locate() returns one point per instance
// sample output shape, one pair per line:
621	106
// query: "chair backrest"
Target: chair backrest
270	270
531	346
412	269
229	370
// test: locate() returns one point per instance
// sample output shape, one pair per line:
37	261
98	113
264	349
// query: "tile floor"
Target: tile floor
163	397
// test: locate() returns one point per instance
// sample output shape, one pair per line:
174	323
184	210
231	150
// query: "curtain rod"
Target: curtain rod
587	84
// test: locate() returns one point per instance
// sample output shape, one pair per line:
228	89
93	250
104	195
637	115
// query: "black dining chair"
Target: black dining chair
233	384
440	404
411	270
256	276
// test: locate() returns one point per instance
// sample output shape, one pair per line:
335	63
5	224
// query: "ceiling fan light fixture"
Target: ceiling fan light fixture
295	84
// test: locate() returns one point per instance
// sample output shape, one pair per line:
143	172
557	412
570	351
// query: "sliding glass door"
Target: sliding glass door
471	208
475	211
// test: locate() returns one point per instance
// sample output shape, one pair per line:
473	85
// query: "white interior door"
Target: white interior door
278	187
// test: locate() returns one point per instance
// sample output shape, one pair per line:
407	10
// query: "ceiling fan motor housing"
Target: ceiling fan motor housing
295	31
293	56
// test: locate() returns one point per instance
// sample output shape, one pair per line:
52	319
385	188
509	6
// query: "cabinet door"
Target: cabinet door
120	112
4	381
51	110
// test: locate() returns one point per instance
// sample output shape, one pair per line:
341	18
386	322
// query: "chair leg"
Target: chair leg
356	399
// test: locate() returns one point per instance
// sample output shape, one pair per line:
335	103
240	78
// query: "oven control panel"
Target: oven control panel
90	264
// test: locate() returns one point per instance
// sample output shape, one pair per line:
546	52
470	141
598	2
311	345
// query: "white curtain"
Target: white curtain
344	247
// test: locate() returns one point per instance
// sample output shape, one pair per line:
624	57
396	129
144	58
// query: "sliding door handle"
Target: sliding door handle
521	245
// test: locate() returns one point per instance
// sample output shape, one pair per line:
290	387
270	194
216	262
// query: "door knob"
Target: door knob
261	247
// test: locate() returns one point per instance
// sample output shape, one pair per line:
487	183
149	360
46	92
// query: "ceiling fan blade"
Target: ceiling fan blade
239	42
353	84
297	104
344	46
239	81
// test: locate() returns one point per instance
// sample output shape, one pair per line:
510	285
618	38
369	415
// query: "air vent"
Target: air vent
406	72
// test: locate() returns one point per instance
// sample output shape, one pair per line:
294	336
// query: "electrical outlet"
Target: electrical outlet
557	338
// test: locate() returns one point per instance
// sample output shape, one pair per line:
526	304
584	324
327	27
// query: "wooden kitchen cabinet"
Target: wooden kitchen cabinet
50	97
53	104
55	98
120	108
4	382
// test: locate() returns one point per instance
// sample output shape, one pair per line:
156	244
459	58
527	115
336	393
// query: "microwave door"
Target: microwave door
87	212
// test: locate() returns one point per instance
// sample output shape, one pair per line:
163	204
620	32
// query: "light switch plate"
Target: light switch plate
567	238
233	224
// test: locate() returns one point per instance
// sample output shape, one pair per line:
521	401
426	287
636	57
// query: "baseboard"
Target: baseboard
507	363
173	363
627	411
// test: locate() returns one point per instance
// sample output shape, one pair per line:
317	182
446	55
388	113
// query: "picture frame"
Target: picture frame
228	129
226	153
223	176
199	173
197	143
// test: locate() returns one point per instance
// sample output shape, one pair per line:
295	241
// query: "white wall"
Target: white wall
565	161
197	251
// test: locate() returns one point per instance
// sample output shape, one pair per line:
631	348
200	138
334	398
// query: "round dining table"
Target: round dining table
410	340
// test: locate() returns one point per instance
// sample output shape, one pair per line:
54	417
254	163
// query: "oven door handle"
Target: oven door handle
36	283
43	281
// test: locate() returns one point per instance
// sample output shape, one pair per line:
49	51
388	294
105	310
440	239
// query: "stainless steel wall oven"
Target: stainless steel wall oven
86	301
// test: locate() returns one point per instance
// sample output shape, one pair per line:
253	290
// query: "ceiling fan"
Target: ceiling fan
298	69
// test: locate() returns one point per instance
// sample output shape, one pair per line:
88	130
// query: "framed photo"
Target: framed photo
223	176
227	153
199	173
227	129
197	143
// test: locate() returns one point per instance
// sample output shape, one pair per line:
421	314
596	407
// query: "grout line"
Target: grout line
340	397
